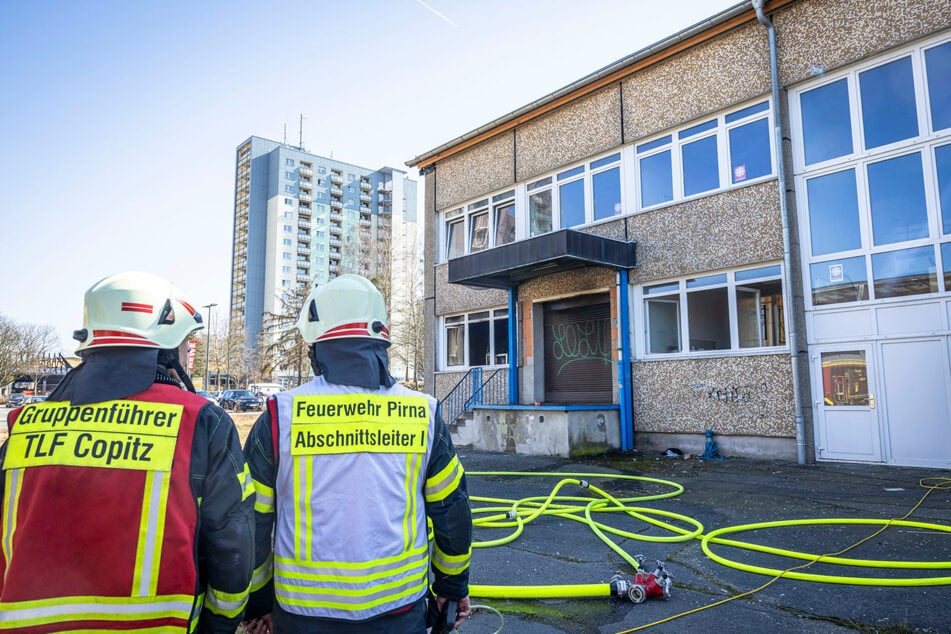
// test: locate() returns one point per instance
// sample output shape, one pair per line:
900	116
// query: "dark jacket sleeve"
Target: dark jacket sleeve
447	505
259	454
220	479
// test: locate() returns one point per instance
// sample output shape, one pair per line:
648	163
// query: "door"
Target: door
847	426
915	379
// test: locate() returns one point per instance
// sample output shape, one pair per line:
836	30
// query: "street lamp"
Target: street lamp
207	341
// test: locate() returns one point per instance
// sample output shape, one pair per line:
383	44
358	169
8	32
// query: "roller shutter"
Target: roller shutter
578	354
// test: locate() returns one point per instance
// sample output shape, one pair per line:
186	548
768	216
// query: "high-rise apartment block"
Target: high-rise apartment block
302	219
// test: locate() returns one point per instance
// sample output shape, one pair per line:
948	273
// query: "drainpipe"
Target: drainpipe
624	371
513	347
787	258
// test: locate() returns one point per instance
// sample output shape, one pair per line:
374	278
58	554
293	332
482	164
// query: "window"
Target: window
289	189
289	175
289	161
285	269
288	201
730	149
826	123
834	212
699	158
879	217
735	310
288	242
321	169
539	207
479	234
351	177
579	195
286	256
606	187
477	339
938	62
749	145
571	197
887	94
288	228
505	220
943	164
479	225
288	214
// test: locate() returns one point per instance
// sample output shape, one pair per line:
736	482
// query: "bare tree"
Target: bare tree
408	325
9	348
283	350
27	351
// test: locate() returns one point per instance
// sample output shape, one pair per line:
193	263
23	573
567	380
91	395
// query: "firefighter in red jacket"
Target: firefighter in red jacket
125	502
348	468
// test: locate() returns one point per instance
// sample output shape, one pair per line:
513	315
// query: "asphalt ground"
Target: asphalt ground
718	494
708	596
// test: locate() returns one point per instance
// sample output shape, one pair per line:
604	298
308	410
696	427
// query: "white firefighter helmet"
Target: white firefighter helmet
138	310
349	306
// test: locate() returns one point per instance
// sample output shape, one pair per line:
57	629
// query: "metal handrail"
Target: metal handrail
472	390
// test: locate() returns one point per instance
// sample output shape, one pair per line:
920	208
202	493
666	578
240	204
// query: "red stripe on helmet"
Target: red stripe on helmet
358	329
115	333
187	306
122	341
134	307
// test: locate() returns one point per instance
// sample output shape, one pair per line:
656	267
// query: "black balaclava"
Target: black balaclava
168	360
108	374
360	362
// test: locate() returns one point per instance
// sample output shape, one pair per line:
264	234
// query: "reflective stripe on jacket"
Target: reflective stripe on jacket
350	537
100	520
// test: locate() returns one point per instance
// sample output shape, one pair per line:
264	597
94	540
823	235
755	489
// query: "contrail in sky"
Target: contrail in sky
438	13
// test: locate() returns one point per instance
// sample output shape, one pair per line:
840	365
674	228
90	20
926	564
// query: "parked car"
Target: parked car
241	401
207	395
36	398
16	400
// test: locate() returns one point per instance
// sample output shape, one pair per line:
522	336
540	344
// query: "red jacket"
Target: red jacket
100	525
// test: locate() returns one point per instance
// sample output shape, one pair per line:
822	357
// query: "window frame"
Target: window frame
462	215
678	290
675	140
845	265
463	321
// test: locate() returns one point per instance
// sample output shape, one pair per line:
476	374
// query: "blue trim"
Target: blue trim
513	348
557	408
624	371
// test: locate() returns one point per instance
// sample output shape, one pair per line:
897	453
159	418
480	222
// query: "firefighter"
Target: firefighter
347	469
126	502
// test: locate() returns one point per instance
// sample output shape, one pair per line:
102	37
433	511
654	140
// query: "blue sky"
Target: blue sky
120	119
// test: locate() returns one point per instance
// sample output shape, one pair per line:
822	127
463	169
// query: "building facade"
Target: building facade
301	219
744	228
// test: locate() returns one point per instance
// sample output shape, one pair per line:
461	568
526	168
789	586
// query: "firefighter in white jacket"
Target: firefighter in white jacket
347	469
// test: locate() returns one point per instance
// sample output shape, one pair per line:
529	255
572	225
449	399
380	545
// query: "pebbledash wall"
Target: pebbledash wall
703	246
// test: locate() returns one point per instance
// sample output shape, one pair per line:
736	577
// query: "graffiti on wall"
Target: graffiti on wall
580	341
751	399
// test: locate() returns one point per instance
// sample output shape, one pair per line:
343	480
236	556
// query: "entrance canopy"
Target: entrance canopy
509	265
